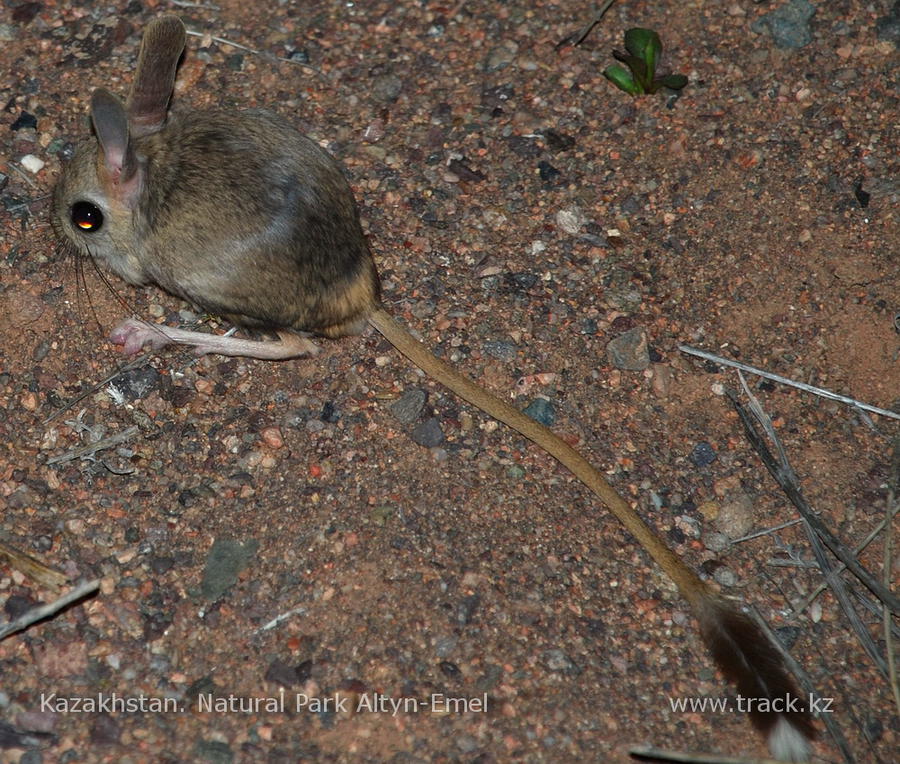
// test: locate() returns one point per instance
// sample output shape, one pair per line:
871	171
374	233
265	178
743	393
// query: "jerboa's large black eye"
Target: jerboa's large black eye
87	216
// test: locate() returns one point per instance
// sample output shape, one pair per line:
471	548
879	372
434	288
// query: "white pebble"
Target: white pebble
32	163
570	219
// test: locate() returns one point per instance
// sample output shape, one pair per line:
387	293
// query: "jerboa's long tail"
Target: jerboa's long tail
741	650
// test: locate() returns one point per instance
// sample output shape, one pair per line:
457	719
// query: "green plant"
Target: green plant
643	47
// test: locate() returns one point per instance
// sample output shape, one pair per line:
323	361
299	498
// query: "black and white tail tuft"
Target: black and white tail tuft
768	692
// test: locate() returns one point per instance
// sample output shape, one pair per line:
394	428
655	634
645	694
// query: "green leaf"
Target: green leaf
637	40
672	81
623	80
645	45
637	66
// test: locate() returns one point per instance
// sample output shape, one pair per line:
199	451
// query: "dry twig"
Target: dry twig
766	531
787	479
577	38
840	567
90	449
25	176
34	569
892	506
139	361
44	611
279	619
260	53
785	381
817	531
204	6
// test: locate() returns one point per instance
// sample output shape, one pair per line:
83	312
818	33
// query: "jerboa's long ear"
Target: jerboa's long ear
154	79
117	164
117	156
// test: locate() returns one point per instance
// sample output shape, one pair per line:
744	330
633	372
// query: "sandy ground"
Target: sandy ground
523	214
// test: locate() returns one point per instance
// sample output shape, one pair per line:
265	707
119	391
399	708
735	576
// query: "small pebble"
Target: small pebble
137	383
374	132
815	612
24	120
37	721
330	413
161	565
689	526
381	514
281	674
716	542
725	577
386	87
61	148
408	406
541	410
548	172
661	382
444	646
106	729
213	752
589	326
735	518
557	660
466	608
466	743
428	433
629	350
32	163
788	635
226	559
702	455
557	141
501	56
571	219
788	24
272	437
24	13
500	349
522	281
